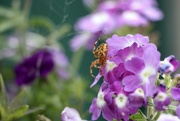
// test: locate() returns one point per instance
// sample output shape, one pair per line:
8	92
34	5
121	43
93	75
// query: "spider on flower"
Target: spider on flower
101	54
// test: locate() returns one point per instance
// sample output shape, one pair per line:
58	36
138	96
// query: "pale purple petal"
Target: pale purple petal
96	79
132	18
94	110
135	65
80	40
152	57
168	117
70	114
131	83
97	22
175	92
178	111
129	52
107	113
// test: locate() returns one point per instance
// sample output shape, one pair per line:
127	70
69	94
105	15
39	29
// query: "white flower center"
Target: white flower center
110	65
130	15
100	18
146	73
129	57
121	100
161	97
139	92
100	100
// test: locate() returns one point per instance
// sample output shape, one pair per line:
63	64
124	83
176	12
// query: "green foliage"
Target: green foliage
139	116
8	109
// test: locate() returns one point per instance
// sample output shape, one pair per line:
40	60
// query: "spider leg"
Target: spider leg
94	48
94	64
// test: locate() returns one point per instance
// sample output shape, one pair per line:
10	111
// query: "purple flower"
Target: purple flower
97	22
175	93
178	111
169	65
133	61
122	105
112	15
83	39
116	43
39	64
116	103
99	104
161	99
138	98
168	117
70	114
130	72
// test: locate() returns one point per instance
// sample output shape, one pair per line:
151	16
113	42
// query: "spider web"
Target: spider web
60	9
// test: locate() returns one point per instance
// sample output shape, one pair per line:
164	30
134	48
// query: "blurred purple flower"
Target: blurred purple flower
40	64
111	15
61	62
100	22
83	39
70	114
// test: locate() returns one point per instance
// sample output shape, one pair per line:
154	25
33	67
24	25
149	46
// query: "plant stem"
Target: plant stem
75	61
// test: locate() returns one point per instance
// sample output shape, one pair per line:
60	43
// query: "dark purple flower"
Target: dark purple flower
38	65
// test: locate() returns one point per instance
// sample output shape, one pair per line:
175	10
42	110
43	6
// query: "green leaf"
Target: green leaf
11	23
42	22
35	110
17	100
19	112
3	92
2	111
139	116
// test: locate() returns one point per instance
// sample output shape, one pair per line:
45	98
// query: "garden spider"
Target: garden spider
100	52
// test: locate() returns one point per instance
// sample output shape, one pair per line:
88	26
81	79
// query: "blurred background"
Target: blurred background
69	11
60	12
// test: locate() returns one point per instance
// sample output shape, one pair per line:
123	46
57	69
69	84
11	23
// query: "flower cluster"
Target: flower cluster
131	79
111	15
